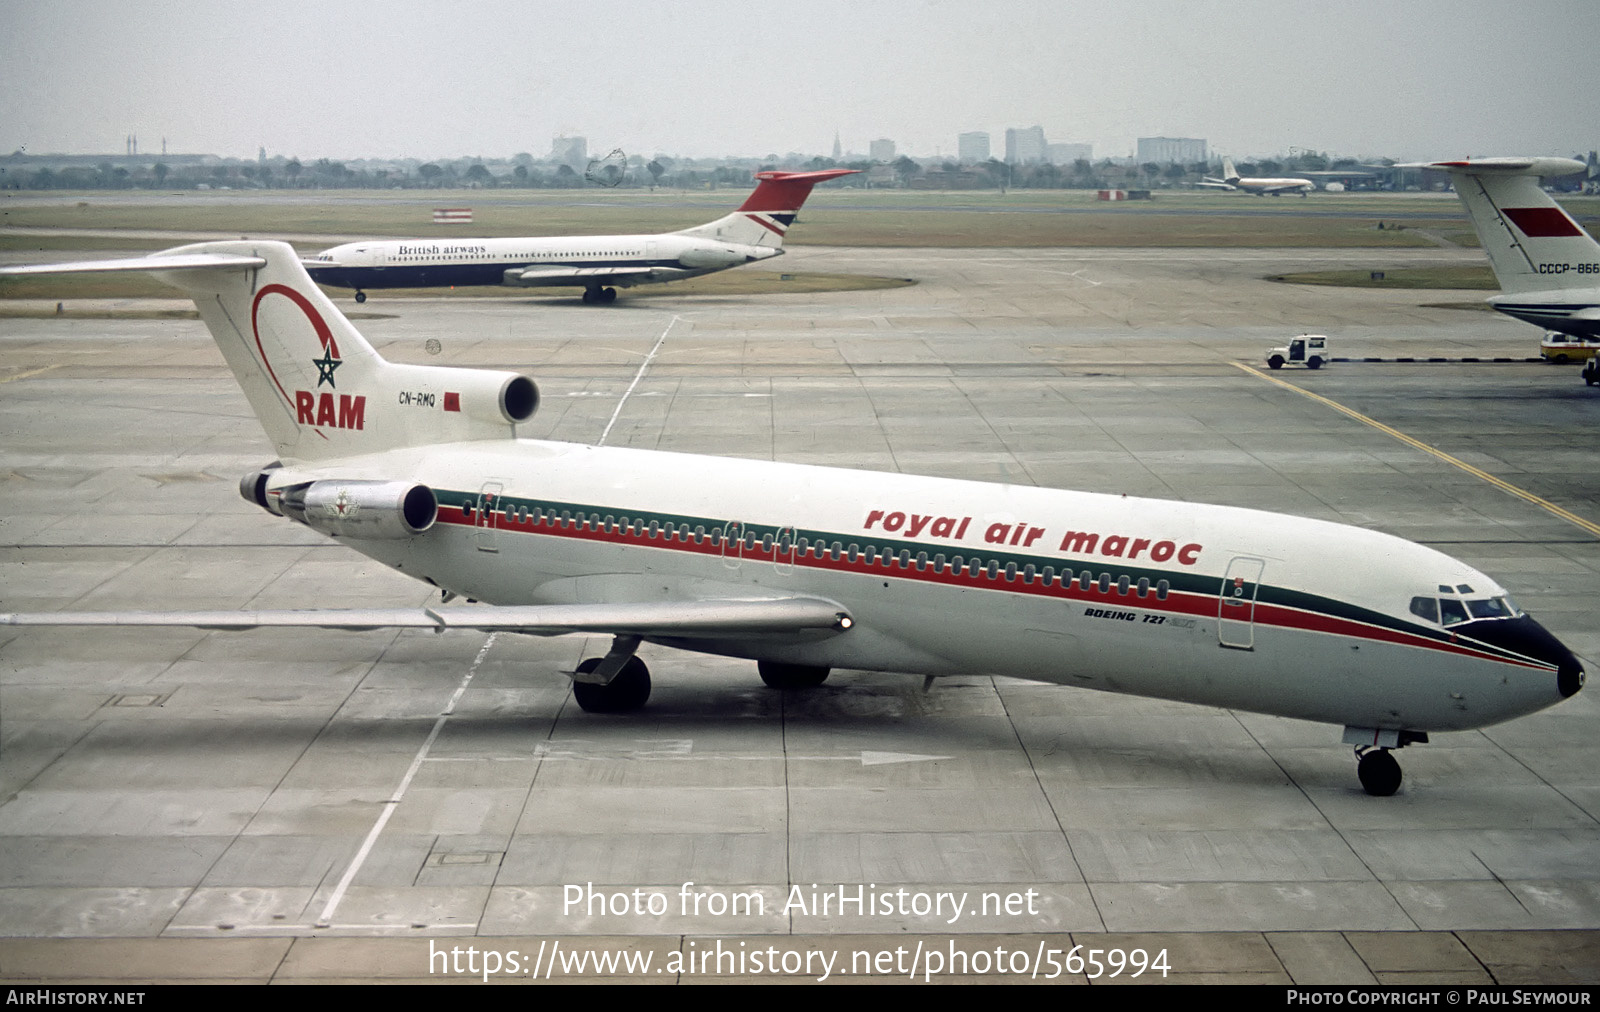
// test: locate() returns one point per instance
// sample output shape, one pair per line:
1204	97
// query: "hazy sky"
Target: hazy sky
337	79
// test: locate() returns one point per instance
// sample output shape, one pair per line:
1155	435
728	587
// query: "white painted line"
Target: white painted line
326	920
636	378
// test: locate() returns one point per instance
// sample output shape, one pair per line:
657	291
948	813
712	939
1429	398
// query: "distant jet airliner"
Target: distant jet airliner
599	264
1257	185
803	569
1547	265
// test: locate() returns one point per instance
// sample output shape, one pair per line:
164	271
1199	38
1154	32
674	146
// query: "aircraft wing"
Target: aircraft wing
1210	185
684	619
564	275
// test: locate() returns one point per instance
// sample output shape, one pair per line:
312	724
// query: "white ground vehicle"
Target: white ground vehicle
1309	350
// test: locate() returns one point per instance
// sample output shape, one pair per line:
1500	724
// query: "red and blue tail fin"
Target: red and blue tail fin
765	216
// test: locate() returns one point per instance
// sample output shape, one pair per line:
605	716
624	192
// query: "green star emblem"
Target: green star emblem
325	367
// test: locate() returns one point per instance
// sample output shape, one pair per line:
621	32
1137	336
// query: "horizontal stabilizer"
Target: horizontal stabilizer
185	262
689	619
1553	168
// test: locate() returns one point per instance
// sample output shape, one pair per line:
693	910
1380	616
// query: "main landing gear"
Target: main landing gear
599	296
615	683
791	676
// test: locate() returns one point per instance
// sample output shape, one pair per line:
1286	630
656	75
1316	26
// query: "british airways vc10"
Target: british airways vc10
599	264
803	569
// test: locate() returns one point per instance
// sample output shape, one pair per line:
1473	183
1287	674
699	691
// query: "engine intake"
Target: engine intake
362	509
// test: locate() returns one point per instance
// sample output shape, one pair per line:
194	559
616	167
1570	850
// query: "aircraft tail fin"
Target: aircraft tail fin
765	216
1229	173
319	389
1532	243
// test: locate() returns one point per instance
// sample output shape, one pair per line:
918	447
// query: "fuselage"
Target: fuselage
1202	604
1271	185
1574	311
572	260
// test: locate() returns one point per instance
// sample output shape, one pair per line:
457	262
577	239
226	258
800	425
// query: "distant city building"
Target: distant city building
838	150
1166	150
1066	154
973	147
882	150
573	151
1024	145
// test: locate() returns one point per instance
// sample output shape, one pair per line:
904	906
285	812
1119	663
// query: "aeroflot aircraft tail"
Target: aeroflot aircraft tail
1533	244
319	389
1548	267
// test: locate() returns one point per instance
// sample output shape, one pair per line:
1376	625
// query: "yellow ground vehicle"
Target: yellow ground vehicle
1568	348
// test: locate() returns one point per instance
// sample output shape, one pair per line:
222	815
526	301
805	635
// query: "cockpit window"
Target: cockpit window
1426	607
1493	607
1454	606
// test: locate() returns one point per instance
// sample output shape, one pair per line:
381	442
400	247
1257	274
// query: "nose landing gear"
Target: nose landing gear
1378	769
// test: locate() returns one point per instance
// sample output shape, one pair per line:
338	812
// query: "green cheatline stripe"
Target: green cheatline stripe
1505	486
1064	568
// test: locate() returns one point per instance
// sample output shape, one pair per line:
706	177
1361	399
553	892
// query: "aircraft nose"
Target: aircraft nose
1524	636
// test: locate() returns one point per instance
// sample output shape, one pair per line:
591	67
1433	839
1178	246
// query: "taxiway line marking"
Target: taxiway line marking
30	372
400	792
636	378
1477	472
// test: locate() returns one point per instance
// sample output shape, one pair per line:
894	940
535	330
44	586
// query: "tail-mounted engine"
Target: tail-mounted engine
348	509
491	396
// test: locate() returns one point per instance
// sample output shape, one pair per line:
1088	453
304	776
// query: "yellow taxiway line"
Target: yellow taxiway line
1504	486
25	375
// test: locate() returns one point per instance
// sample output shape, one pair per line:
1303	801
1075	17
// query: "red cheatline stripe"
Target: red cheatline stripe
1542	222
1177	602
317	323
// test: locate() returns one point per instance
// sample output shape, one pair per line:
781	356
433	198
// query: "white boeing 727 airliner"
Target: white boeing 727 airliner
803	569
599	264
